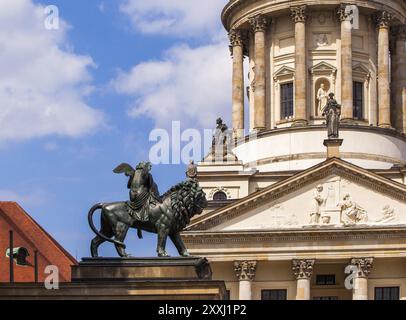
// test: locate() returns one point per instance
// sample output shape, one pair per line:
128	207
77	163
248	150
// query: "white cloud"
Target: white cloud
43	84
182	18
192	85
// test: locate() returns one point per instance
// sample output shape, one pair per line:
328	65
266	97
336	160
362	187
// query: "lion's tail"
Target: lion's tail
93	227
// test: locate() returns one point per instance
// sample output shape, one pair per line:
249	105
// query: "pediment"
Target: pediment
284	72
360	71
323	67
297	204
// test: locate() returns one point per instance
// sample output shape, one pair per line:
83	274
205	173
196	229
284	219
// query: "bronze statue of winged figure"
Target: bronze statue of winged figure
165	215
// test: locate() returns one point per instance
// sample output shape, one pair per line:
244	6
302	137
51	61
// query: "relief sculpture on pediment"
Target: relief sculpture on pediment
351	212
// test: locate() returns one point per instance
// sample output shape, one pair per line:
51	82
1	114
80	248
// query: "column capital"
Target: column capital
236	37
343	13
299	13
245	270
383	19
303	269
364	266
259	23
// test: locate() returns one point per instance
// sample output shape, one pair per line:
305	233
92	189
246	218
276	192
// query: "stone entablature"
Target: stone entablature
234	12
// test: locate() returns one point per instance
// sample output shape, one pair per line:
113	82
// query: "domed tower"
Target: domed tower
297	53
283	201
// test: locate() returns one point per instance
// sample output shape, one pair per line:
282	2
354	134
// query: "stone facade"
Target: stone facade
299	220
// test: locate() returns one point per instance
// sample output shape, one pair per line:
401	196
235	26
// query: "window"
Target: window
358	100
325	279
219	196
387	293
287	100
275	294
326	298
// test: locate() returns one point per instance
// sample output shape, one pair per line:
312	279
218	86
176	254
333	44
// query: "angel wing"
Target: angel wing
124	168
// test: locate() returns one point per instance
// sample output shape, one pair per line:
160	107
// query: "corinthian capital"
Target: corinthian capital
236	38
298	14
303	269
245	270
259	23
364	266
383	19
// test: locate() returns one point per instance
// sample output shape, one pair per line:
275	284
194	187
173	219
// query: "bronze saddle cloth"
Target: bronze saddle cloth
139	208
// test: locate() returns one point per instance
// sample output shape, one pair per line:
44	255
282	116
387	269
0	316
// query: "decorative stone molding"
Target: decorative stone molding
364	266
303	269
259	23
299	14
383	19
245	270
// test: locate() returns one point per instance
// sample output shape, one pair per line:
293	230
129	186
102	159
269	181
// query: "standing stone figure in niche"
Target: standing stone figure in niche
317	202
322	97
332	112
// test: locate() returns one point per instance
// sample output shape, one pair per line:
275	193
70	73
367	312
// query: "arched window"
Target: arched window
219	196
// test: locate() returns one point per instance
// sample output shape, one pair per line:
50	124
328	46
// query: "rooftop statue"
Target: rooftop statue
165	215
332	112
221	146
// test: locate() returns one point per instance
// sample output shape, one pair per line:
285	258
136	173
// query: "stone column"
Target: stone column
360	282
237	52
245	272
383	20
299	16
259	24
303	270
346	65
399	77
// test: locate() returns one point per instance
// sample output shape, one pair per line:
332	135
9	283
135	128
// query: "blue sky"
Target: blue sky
77	101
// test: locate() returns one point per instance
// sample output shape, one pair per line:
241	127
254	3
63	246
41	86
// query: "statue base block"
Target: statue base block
333	147
128	279
177	268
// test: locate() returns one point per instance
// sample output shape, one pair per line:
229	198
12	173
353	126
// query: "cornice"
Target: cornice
343	127
297	235
276	6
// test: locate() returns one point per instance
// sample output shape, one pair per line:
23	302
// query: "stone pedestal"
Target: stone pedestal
118	269
130	279
333	147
